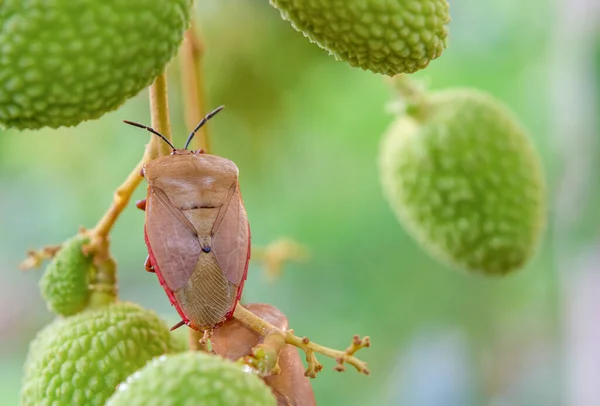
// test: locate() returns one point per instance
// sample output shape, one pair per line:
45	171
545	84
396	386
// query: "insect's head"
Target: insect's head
184	150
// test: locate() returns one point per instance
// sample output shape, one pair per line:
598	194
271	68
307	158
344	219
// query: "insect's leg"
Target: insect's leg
141	204
176	326
206	336
204	342
148	265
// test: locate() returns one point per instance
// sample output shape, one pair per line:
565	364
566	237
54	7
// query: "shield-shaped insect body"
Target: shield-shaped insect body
197	233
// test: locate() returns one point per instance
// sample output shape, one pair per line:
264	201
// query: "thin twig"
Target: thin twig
159	110
255	323
35	258
192	53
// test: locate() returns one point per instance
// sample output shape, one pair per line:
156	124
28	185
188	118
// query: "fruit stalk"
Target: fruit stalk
411	96
159	113
103	285
192	53
407	88
255	323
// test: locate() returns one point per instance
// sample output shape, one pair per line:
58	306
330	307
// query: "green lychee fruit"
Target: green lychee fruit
464	179
383	36
80	360
65	284
193	378
66	61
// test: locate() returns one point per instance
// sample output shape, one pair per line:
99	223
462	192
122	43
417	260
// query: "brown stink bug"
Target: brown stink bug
196	232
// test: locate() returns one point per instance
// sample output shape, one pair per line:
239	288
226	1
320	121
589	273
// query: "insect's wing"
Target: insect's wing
231	237
173	240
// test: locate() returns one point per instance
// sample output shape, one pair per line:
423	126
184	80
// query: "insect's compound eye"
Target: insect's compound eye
200	151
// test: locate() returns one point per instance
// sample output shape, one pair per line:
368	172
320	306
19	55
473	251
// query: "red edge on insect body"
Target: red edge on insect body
162	281
241	287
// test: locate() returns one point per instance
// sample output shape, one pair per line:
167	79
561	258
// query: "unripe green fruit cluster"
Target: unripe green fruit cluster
81	359
66	61
193	378
383	36
463	177
65	283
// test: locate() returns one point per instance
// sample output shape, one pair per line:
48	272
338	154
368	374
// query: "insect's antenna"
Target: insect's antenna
152	130
202	122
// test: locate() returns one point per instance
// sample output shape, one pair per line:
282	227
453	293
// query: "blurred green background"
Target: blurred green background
304	131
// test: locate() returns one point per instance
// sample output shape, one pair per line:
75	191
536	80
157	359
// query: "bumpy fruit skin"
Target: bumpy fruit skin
66	61
464	179
383	36
65	283
193	378
81	359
